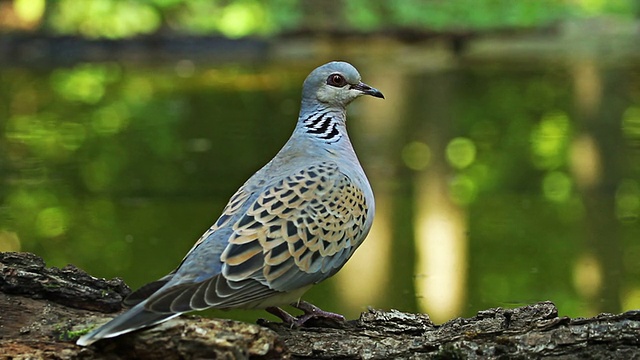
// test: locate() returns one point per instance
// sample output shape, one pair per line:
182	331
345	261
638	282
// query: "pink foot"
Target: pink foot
310	312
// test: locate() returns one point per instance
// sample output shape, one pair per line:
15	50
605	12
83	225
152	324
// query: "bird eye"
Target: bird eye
336	80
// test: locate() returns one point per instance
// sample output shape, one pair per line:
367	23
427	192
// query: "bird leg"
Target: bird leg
282	315
313	312
310	312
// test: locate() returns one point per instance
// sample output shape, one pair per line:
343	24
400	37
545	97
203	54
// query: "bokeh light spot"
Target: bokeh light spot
463	189
9	241
628	201
461	152
52	222
549	140
631	299
29	10
241	18
416	155
631	122
84	83
557	186
587	275
111	119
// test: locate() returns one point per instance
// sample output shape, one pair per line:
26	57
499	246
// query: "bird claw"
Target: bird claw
310	312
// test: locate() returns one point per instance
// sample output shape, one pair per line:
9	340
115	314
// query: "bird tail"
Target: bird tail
136	318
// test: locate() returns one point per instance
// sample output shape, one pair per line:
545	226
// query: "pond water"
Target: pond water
497	183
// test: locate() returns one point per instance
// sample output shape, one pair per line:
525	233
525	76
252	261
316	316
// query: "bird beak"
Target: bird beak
368	90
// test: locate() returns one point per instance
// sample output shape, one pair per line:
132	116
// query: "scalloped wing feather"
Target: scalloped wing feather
298	232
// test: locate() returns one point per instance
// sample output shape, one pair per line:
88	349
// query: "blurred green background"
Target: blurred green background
505	159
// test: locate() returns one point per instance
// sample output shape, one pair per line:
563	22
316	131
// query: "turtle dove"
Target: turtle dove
293	224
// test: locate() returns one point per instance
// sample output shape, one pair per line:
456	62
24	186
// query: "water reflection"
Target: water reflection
495	185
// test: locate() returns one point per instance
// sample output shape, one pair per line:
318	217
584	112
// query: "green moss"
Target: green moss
71	335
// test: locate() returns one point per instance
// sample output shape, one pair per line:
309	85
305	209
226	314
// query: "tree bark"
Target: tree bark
43	310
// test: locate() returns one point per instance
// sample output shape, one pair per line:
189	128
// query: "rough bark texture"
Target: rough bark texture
43	310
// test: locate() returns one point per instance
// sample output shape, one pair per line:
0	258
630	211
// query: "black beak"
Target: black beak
368	90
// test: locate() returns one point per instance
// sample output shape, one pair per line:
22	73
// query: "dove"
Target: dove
291	225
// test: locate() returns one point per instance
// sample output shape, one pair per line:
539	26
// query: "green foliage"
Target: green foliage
460	14
103	18
119	19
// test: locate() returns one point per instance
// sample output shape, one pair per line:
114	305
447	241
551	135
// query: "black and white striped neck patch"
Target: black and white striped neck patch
323	125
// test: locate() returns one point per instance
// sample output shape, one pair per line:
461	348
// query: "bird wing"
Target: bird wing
295	233
299	231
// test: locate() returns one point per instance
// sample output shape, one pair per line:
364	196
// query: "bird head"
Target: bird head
336	84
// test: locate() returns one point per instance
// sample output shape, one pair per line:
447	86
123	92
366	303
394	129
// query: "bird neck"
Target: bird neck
324	124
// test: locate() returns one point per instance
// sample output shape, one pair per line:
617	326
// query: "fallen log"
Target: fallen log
44	310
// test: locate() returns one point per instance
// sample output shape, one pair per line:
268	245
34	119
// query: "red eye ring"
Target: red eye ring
336	80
